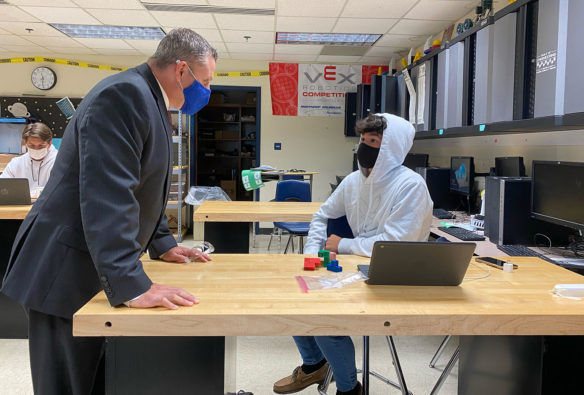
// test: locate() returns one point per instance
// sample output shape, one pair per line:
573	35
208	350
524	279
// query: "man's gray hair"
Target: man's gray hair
182	44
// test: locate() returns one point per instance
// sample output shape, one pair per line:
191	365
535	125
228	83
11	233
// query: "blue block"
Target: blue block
334	262
335	268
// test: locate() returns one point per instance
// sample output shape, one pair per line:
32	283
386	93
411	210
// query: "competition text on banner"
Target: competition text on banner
36	59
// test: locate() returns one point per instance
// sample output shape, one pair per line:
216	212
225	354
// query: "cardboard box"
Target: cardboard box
229	186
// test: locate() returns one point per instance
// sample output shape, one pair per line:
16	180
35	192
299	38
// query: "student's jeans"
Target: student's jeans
339	351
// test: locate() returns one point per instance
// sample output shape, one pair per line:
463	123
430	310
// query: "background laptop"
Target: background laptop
14	191
418	263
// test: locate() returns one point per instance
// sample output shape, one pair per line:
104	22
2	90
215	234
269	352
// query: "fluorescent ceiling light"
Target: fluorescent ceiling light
207	9
327	38
105	31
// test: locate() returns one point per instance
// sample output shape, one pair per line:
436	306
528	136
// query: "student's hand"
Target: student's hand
184	255
332	243
164	296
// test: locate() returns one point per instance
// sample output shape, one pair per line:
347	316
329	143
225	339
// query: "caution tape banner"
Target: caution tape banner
115	68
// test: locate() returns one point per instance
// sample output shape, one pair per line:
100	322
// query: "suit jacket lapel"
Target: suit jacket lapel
145	71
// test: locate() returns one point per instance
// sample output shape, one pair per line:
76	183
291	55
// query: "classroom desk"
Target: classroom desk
306	175
227	224
14	323
257	295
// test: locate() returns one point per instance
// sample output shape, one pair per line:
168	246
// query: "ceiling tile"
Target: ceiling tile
298	49
23	49
245	22
440	10
144	46
102	43
122	52
219	46
123	17
308	25
384	51
250	56
246	3
398	40
62	15
39	29
345	59
45	3
377	8
71	51
418	27
193	20
375	60
358	25
3	50
15	14
236	36
2	31
111	4
208	34
11	39
295	58
311	8
250	48
54	41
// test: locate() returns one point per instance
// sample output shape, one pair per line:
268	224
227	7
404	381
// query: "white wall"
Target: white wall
309	143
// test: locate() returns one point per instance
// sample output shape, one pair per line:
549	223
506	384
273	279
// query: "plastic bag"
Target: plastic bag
197	195
333	280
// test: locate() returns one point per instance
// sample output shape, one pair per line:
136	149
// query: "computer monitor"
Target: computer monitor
510	166
557	193
461	174
416	160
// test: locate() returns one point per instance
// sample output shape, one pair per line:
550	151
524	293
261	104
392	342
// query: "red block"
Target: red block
308	264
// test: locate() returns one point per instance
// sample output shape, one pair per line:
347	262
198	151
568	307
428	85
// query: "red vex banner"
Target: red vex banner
315	89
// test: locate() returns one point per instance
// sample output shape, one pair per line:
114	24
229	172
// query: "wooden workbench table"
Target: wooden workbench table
227	224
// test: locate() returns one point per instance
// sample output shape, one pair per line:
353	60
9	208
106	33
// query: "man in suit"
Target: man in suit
103	208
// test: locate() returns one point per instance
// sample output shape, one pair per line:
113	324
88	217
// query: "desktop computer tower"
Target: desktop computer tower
483	74
507	210
363	98
438	183
559	84
375	96
502	79
389	97
455	67
350	113
508	214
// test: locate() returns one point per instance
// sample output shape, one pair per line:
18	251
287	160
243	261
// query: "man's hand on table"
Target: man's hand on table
332	243
184	255
164	296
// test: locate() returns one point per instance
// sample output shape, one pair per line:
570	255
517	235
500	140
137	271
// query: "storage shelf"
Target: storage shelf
535	125
200	121
218	139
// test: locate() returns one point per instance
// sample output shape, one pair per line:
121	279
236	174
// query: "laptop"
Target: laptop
418	263
14	191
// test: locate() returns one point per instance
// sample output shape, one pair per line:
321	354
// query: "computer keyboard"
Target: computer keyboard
462	234
442	214
521	250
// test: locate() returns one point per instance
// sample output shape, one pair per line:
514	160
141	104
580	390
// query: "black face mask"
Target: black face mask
367	155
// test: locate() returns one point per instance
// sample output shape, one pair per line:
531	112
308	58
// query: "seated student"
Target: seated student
383	200
36	164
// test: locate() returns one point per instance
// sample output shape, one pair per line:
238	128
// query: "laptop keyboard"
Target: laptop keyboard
521	250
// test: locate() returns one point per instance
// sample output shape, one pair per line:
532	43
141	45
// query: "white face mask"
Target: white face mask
38	154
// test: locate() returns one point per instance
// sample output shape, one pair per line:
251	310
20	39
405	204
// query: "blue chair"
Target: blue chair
293	191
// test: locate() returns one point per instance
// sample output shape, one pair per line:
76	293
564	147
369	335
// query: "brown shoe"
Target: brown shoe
299	380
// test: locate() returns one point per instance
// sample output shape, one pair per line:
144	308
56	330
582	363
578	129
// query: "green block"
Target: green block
326	255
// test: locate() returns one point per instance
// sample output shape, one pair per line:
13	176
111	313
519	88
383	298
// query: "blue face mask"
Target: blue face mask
196	96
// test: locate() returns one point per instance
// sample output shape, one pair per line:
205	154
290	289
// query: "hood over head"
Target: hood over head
397	141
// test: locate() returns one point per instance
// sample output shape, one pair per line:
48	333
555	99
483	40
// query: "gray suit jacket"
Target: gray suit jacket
103	205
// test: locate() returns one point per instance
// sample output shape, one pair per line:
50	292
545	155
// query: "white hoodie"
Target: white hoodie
37	172
393	203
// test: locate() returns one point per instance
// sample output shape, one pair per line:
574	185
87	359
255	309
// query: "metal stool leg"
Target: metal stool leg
439	351
365	376
446	371
301	246
396	364
323	387
288	244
